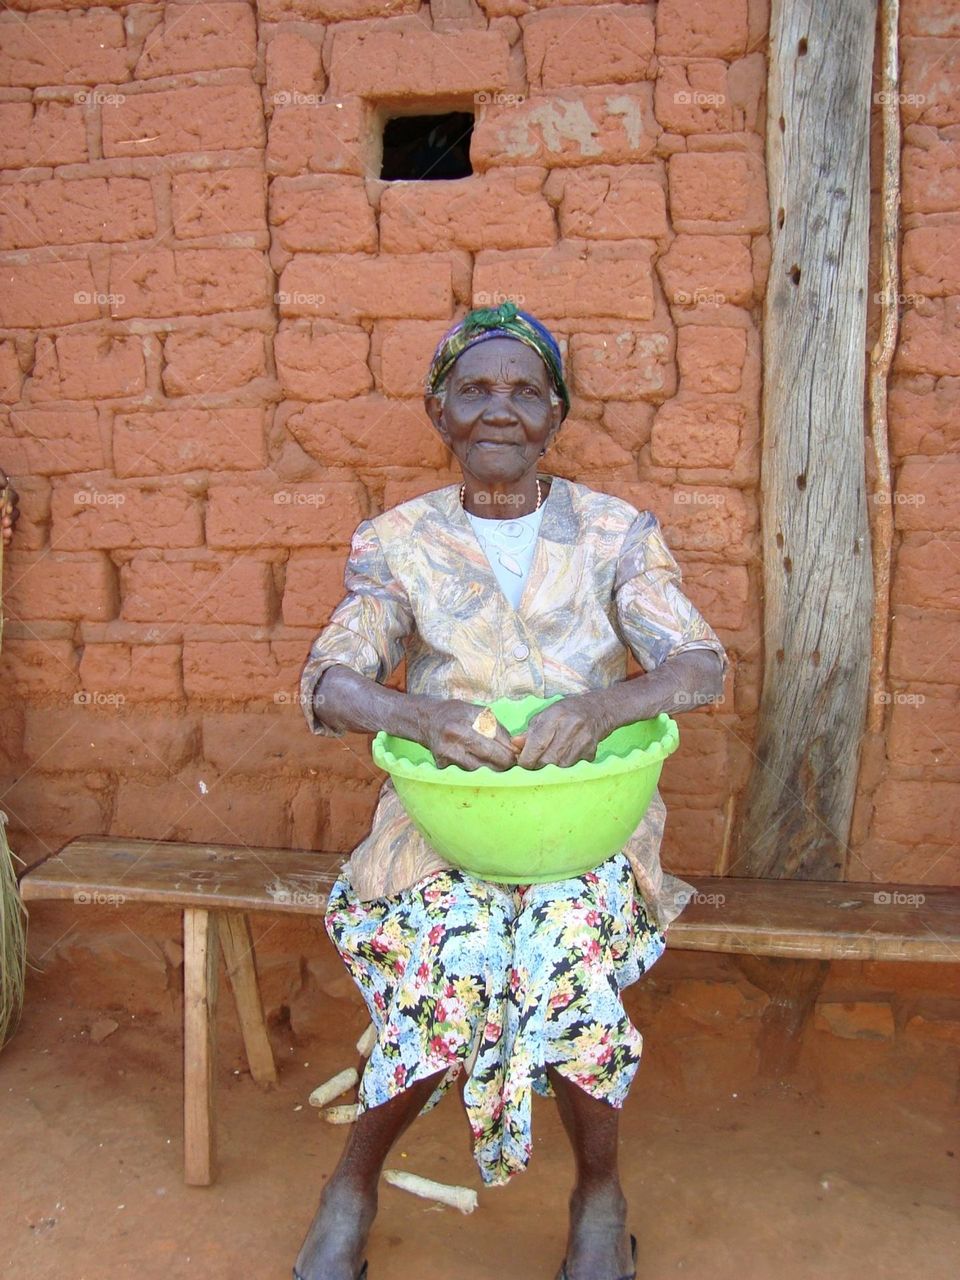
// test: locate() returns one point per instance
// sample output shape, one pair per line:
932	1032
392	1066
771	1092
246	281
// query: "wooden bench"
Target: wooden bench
783	933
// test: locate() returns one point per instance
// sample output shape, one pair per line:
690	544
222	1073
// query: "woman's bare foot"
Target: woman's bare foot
333	1249
598	1247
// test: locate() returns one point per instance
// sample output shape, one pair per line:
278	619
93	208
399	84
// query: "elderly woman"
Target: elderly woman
510	583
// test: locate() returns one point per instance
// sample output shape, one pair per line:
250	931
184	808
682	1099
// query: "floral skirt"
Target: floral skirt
503	981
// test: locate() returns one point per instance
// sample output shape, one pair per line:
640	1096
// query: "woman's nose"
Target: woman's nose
499	408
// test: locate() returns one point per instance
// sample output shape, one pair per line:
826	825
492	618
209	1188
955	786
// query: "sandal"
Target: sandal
563	1268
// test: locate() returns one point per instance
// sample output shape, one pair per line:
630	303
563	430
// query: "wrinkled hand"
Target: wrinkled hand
562	734
447	731
9	512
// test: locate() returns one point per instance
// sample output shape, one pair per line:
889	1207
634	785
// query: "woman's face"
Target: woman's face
497	417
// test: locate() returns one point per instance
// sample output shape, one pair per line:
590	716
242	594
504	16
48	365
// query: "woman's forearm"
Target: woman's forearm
344	699
682	683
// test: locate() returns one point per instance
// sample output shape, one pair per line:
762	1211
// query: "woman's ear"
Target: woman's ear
435	413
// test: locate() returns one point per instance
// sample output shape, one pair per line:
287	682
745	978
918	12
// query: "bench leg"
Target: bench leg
200	956
793	987
237	943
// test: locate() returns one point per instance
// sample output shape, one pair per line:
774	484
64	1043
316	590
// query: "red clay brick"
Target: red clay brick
930	261
711	28
612	44
930	338
931	18
62	48
334	10
293	515
54	441
36	668
55	807
293	66
696	97
215	117
327	214
406	349
36	294
330	137
276	741
241	670
60	587
165	282
204	37
925	729
719	591
411	63
567	127
694	432
34	497
60	211
354	287
197	363
707	270
313	588
726	190
141	673
931	171
87	366
930	68
926	494
368	431
569	281
103	514
606	203
212	589
42	133
927	571
710	357
166	442
226	811
623	366
11	374
487	211
924	648
315	365
95	734
583	446
917	811
219	203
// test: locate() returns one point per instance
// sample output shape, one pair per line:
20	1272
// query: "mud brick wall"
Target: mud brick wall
214	324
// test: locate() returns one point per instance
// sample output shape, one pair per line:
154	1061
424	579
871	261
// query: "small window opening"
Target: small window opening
427	148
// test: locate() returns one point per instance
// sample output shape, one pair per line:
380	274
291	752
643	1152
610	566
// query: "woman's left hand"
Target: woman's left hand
563	733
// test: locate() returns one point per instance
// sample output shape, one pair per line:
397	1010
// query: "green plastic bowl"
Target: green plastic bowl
527	826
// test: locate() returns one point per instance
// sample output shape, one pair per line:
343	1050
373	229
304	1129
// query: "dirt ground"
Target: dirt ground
846	1171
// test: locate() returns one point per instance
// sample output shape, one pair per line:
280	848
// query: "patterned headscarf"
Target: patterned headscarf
505	321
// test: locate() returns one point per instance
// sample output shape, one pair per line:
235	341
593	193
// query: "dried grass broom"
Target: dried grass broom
13	915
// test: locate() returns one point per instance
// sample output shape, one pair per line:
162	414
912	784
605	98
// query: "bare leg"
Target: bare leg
333	1248
598	1246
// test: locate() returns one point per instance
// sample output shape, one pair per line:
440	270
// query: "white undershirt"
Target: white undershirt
509	546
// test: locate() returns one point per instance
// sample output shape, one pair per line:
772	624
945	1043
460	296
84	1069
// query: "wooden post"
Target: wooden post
200	956
237	943
793	987
799	798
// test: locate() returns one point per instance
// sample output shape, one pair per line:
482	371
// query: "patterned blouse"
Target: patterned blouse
602	581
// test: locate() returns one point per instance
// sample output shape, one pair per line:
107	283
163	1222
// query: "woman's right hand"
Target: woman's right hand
447	731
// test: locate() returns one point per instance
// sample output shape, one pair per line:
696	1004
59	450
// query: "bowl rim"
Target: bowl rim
491	779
